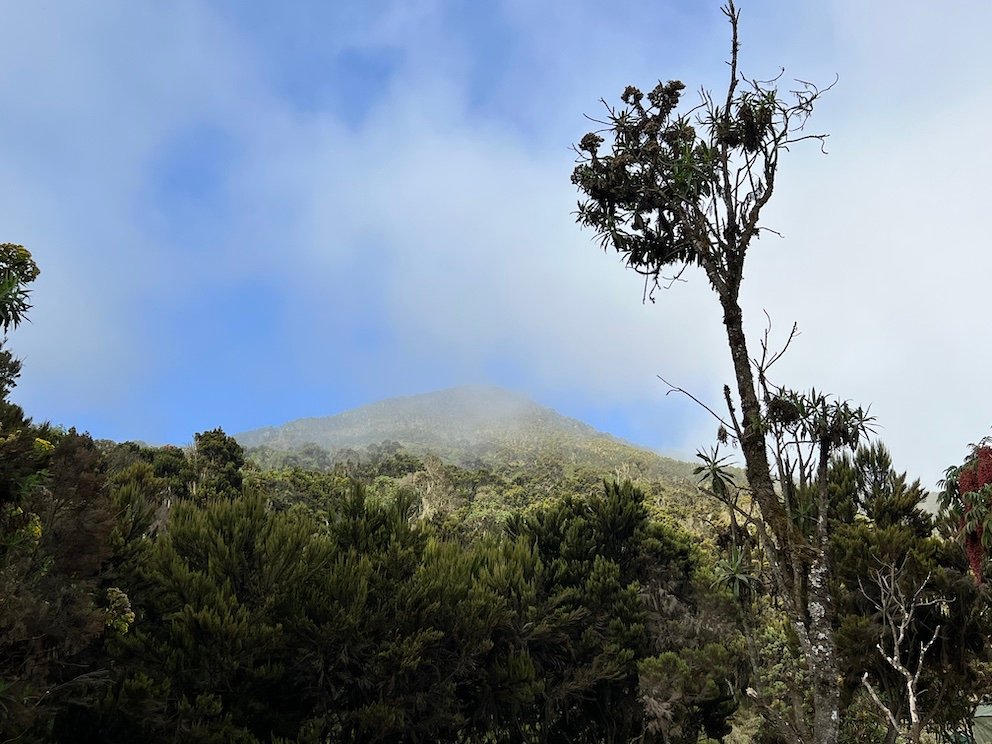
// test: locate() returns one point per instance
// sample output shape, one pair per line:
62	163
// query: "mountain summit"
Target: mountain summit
466	426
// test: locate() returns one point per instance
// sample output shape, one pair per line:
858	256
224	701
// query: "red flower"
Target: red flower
976	553
973	475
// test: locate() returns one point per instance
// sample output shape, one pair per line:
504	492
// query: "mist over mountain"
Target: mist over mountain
470	425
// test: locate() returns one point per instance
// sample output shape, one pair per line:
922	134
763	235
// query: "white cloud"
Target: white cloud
445	213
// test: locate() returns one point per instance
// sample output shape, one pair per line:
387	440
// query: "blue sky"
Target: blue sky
247	213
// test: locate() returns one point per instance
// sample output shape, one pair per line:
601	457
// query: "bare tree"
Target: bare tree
897	610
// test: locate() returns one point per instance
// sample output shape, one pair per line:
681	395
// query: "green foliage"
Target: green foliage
862	721
10	370
156	594
886	528
364	623
53	546
673	188
209	597
216	463
965	502
593	553
298	605
637	580
468	501
17	270
690	692
736	572
878	524
310	611
286	488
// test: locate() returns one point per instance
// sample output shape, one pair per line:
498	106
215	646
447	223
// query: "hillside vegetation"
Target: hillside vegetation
472	455
469	426
465	567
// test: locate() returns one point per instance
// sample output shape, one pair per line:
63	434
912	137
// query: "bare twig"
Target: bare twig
675	389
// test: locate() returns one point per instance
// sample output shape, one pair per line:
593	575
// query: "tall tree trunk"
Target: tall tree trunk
823	657
759	476
811	617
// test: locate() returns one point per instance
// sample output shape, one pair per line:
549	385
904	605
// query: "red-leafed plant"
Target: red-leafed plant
967	503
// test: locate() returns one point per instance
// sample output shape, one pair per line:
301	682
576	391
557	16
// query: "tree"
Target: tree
619	634
55	525
966	504
882	544
17	270
216	461
897	608
53	547
674	190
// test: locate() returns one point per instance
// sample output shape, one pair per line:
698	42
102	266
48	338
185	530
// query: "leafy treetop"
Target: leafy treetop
675	189
17	270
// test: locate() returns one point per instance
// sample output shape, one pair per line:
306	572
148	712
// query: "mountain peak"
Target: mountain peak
461	424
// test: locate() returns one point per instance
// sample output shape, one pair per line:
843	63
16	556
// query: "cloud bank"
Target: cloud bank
248	215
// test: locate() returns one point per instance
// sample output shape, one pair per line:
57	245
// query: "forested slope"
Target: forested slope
474	455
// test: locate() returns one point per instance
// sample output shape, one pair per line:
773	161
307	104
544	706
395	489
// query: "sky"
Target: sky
247	213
